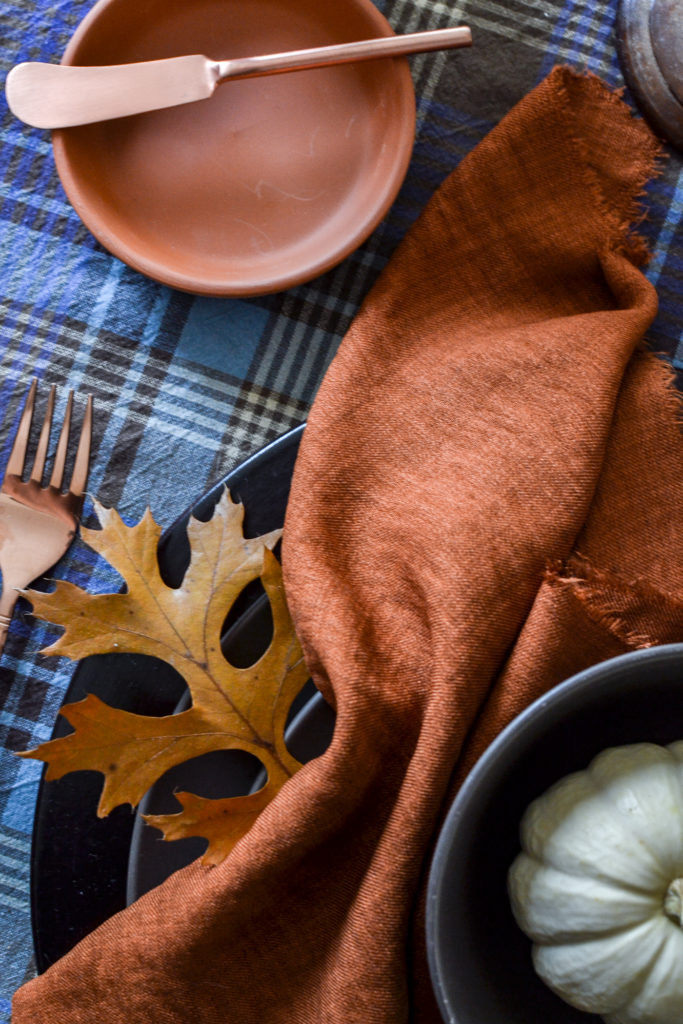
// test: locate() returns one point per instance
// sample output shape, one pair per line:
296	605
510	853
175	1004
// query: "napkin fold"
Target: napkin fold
487	499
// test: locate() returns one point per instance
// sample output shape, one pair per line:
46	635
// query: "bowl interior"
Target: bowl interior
480	961
270	181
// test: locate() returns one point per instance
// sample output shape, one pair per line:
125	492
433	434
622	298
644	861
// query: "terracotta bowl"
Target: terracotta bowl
267	184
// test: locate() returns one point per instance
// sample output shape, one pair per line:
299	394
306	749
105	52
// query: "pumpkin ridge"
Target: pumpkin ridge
553	907
580	938
667	760
640	977
556	799
622	819
594	870
613	883
610	1002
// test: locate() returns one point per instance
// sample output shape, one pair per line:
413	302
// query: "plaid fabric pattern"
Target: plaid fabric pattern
186	387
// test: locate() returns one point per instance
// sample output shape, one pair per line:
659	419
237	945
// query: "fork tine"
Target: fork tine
82	460
15	463
60	455
44	439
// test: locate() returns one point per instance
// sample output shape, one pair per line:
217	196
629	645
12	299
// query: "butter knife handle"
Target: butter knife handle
345	53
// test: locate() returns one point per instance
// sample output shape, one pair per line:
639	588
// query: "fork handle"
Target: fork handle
8	598
4	627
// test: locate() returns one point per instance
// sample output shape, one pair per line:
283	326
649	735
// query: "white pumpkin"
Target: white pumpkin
599	885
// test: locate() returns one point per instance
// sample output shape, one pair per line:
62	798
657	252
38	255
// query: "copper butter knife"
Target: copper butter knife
59	96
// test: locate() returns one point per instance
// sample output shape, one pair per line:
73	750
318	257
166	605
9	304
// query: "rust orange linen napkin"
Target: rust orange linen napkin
487	499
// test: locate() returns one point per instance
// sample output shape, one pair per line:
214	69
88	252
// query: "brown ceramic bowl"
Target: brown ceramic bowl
267	184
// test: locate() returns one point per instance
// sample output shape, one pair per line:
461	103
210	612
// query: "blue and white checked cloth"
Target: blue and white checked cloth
186	387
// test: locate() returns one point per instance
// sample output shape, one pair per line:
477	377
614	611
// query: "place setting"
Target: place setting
271	183
136	859
342	599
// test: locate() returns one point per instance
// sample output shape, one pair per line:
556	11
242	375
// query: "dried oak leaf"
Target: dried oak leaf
244	708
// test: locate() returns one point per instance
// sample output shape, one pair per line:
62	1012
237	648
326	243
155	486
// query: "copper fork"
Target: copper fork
37	523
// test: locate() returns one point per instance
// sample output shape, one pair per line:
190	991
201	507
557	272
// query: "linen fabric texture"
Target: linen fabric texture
465	530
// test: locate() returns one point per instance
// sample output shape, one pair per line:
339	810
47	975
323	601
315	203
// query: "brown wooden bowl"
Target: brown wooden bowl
267	184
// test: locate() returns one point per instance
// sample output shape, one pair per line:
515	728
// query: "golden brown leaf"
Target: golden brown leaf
222	822
232	708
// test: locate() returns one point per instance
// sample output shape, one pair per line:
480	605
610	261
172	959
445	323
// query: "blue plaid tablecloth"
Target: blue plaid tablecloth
186	387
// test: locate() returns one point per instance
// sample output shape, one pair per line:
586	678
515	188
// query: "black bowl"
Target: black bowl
480	961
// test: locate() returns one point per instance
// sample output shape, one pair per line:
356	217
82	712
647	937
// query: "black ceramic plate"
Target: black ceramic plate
223	773
79	862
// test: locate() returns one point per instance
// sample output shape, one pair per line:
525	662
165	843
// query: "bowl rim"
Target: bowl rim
516	732
250	286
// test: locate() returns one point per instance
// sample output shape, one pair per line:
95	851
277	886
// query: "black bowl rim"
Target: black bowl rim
515	735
